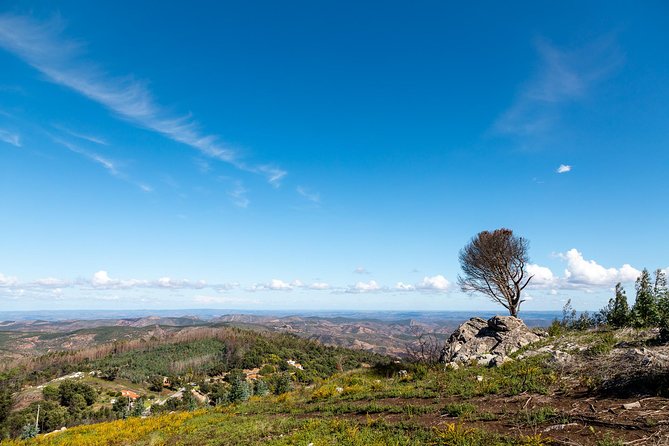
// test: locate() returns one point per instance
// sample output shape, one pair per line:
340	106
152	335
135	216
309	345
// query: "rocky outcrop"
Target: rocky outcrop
487	342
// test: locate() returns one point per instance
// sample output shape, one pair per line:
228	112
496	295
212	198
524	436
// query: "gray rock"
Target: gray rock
499	360
505	323
487	342
485	359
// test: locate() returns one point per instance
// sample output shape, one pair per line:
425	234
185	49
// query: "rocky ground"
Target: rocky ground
612	382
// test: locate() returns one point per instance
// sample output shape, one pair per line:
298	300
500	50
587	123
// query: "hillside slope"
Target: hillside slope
570	389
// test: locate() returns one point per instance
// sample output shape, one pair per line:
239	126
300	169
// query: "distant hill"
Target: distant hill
36	333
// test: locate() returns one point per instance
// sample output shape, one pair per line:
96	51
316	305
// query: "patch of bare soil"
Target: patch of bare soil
574	420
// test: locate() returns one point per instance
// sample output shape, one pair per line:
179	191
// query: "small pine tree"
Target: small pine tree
261	388
617	313
644	313
188	401
29	431
660	286
121	407
137	408
239	391
568	315
283	383
662	298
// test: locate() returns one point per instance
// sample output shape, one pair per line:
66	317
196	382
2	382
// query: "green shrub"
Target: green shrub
603	344
282	383
261	388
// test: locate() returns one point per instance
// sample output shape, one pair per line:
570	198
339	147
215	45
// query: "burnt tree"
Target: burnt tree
494	263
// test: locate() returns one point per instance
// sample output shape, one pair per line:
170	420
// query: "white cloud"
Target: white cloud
434	283
563	168
309	195
167	282
541	276
277	284
628	273
10	138
589	273
580	274
401	286
361	270
52	282
367	286
101	278
223	287
319	286
42	45
7	281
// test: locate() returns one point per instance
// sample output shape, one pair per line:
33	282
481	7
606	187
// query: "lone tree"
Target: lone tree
494	263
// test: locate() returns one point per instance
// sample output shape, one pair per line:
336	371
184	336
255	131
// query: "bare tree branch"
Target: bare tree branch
493	263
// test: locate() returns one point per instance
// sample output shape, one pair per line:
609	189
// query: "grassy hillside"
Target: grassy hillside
556	392
358	407
196	365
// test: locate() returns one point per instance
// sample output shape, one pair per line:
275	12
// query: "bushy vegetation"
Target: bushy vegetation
383	404
325	408
188	360
650	309
69	403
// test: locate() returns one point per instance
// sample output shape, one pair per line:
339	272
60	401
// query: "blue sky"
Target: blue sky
326	155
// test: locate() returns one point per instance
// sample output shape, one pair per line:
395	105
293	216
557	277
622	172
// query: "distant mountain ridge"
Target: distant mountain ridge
35	333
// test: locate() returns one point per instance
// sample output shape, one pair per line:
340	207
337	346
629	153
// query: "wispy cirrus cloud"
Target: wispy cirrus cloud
564	76
10	138
83	136
308	194
62	60
238	195
108	164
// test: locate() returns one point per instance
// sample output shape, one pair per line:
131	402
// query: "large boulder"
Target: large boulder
505	323
487	342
